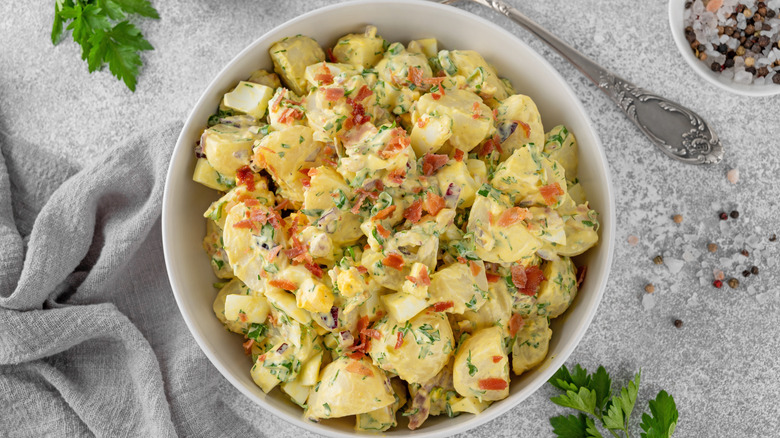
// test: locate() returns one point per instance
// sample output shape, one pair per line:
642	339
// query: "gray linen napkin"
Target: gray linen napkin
91	341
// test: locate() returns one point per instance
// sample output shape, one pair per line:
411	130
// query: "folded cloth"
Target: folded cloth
91	341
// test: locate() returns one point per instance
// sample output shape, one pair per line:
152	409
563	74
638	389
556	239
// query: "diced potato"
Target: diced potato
519	175
314	296
519	123
248	252
427	46
362	50
581	228
402	306
227	148
213	246
559	289
351	282
246	308
459	106
249	98
277	365
472	405
348	387
577	193
531	343
417	288
495	312
495	243
264	77
316	73
209	177
478	170
291	56
431	137
341	225
383	418
426	346
285	302
561	145
218	210
394	67
310	370
476	372
457	174
233	287
298	393
547	225
480	76
284	154
457	283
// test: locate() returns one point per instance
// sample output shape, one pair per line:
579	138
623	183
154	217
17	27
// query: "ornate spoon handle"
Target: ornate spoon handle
679	132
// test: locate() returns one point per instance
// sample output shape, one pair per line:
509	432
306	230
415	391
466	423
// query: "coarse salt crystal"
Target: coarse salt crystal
633	240
688	256
718	274
763	298
648	301
674	265
733	176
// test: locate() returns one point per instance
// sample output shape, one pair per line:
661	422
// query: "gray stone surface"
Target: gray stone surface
721	366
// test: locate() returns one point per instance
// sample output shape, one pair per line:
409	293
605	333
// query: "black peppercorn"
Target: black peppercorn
678	323
723	48
734	214
754	270
746	273
715	67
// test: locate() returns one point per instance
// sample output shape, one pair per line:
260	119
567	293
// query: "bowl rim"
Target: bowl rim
607	237
675	12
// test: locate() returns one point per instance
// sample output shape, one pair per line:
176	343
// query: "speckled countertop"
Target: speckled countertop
721	366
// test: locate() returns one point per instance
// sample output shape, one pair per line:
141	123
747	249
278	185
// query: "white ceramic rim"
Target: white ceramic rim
607	238
676	8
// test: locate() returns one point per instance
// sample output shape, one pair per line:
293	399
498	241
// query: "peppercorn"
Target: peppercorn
712	247
677	218
723	48
723	215
649	288
740	8
715	67
689	34
754	270
776	79
771	13
763	71
767	26
751	70
773	237
749	29
688	4
728	63
658	260
678	323
717	283
734	214
733	283
744	252
763	41
746	273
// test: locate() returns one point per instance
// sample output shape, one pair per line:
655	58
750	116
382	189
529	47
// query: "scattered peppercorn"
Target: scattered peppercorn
746	273
723	215
649	288
773	237
734	214
678	323
712	247
745	253
677	218
733	283
754	270
717	283
658	260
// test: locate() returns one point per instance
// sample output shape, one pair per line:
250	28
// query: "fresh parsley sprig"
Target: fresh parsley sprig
592	394
104	33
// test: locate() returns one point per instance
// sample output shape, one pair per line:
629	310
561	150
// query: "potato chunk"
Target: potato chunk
531	343
481	367
291	56
349	387
363	50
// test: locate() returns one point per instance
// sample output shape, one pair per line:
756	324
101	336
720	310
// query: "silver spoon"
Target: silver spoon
679	132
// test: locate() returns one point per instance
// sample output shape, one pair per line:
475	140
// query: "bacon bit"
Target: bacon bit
414	212
442	306
334	94
493	383
329	53
526	128
581	272
433	203
475	269
433	162
358	368
415	75
325	78
394	261
515	324
282	205
363	93
248	346
373	194
362	269
519	278
273	253
242	316
417	190
251	202
425	280
384	213
290	114
512	216
306	182
283	284
244	223
462	260
492	278
550	193
371	333
436	96
534	277
497	359
385	233
366	246
357	355
298	252
399	341
459	155
476	110
362	323
245	176
494	143
314	269
399	142
434	81
495	114
261	358
359	201
422	122
396	176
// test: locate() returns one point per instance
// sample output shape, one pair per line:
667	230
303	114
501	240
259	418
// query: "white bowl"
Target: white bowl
676	9
183	225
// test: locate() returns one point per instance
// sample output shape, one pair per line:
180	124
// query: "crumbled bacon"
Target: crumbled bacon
282	283
359	368
512	216
251	202
515	324
442	306
493	383
519	278
414	212
433	162
497	359
425	280
526	128
329	53
298	252
371	333
399	142
314	268
325	78
534	277
384	213
434	81
399	342
334	94
475	268
433	203
362	269
476	110
289	115
492	278
357	354
394	261
385	233
415	75
396	176
458	155
422	122
581	272
273	253
550	193
494	143
248	346
363	93
245	176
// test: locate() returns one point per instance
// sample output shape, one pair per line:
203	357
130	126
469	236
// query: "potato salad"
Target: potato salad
394	229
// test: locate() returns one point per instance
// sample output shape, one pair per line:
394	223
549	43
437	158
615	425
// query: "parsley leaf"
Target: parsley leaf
621	405
574	427
103	42
583	400
664	419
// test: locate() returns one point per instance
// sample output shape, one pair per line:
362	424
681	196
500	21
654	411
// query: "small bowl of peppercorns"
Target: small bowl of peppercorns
734	44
